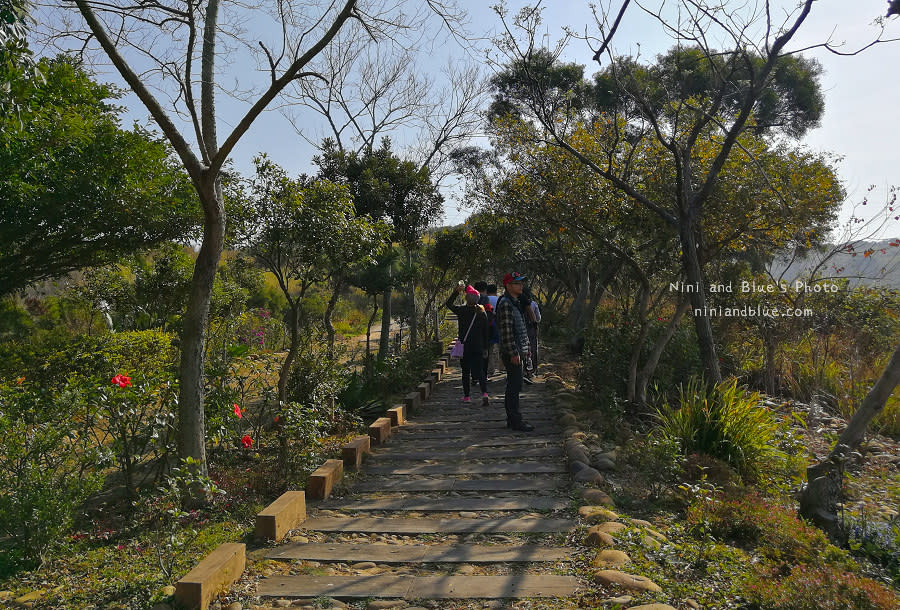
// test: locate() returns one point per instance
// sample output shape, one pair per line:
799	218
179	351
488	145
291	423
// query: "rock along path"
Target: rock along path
455	507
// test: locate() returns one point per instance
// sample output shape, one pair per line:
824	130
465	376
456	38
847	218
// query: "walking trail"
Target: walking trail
455	511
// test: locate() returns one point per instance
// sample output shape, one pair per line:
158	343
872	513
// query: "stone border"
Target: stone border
397	415
218	570
598	508
281	516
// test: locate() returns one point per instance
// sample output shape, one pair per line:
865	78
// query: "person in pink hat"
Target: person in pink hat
473	332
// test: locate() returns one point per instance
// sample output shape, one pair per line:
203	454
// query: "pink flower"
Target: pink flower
237	411
246	441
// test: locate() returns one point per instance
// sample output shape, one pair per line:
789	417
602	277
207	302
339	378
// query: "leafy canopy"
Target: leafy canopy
79	191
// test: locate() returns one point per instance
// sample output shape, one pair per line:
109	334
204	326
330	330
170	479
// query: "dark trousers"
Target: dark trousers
471	369
513	387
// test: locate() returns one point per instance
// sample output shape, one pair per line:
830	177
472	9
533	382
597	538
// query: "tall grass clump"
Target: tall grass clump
722	420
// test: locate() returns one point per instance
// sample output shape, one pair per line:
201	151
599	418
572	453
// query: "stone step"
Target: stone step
457	415
413	444
389	525
490	436
449	484
464	468
482	424
450	504
399	453
419	553
419	587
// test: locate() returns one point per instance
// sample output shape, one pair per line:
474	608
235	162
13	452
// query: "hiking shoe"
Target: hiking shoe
466	399
485	400
522	426
528	380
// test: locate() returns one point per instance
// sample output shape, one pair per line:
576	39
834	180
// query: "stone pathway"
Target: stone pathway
455	507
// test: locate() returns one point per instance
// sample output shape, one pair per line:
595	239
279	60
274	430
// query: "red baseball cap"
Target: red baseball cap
513	277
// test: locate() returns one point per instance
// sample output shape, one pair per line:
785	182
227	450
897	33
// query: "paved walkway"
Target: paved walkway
455	508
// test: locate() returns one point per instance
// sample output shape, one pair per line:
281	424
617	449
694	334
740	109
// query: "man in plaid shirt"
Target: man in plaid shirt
514	348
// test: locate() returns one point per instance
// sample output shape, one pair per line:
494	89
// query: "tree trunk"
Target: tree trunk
191	417
368	359
413	314
820	498
284	374
384	344
329	311
643	378
771	374
697	284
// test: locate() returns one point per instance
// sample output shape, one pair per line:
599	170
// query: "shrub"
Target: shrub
656	458
48	466
603	367
721	420
56	357
818	588
775	532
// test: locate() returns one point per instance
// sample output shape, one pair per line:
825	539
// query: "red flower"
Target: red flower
237	411
246	441
123	381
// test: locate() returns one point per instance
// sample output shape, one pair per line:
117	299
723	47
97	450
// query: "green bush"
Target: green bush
48	466
721	420
818	588
603	367
771	530
57	356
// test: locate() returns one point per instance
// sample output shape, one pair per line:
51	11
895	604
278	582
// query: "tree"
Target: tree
694	94
194	32
305	232
391	189
73	173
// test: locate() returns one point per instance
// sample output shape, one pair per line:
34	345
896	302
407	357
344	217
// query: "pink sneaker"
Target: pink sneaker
485	401
466	399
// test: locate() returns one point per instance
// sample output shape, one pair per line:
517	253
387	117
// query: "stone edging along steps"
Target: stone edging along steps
439	516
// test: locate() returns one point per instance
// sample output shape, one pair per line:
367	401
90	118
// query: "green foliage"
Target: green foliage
172	528
748	520
877	541
50	361
657	459
721	420
818	588
135	419
603	368
48	466
74	174
385	187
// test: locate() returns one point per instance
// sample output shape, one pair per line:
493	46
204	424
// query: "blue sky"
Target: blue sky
861	92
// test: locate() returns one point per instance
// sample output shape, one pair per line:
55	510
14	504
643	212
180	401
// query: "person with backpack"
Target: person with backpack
473	334
514	348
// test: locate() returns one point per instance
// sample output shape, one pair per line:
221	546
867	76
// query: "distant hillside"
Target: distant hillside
881	267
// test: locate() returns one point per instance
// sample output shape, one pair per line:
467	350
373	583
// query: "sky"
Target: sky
861	92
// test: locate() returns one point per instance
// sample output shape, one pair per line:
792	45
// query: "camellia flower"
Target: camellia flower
123	381
246	441
237	411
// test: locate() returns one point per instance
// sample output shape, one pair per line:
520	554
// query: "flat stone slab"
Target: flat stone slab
421	553
496	437
459	485
507	468
468	443
420	587
483	424
452	504
386	525
477	453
